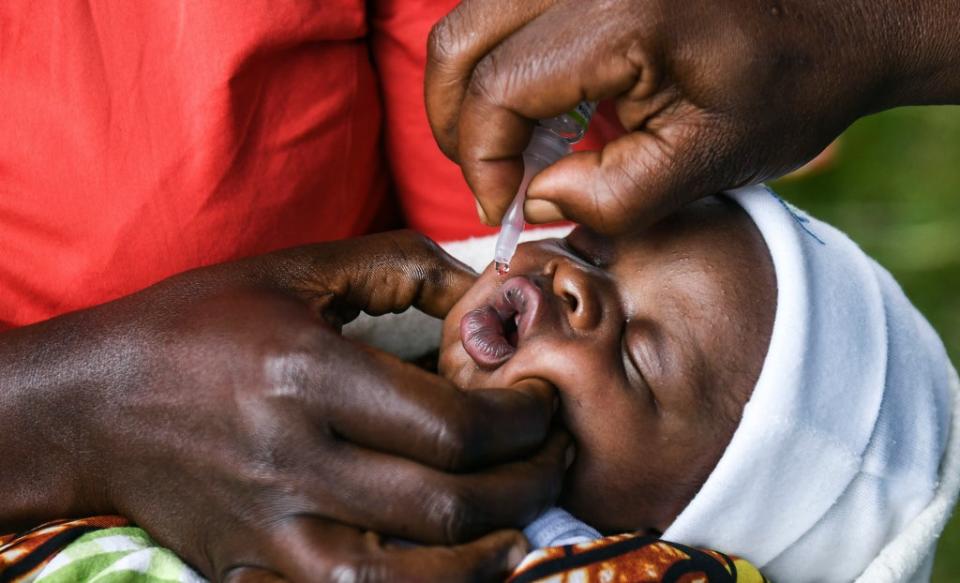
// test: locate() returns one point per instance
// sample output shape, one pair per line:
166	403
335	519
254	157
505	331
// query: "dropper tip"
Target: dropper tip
502	267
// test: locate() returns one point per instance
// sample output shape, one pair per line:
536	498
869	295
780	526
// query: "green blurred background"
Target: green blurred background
893	185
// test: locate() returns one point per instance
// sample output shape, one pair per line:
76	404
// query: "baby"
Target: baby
738	376
654	342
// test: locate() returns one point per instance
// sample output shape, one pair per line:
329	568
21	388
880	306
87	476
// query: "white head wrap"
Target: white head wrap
840	445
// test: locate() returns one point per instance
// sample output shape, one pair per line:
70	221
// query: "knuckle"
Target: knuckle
457	514
362	570
342	566
486	83
457	443
420	257
453	42
450	448
417	243
445	41
287	370
456	41
271	416
348	570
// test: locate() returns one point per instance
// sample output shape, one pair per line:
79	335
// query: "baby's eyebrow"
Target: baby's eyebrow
572	249
589	247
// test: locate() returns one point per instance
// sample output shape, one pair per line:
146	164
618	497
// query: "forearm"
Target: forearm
42	398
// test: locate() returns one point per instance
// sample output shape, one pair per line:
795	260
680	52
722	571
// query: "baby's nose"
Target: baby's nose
578	292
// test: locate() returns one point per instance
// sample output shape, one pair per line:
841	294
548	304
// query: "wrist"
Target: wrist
44	398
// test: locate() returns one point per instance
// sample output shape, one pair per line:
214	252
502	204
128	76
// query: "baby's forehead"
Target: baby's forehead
713	237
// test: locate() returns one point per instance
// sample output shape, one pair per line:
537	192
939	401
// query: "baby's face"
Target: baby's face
654	342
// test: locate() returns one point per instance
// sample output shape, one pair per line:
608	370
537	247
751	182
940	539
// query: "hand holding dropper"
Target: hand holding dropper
550	141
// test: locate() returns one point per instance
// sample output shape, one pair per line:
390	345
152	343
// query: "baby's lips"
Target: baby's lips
520	295
482	336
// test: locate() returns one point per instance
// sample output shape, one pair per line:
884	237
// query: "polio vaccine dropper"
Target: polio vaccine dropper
550	141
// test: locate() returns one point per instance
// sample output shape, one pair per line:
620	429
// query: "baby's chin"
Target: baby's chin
608	500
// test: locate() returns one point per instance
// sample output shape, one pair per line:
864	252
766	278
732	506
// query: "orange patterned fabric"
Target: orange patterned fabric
633	558
25	554
626	558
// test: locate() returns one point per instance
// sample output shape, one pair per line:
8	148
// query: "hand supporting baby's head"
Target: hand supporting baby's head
653	340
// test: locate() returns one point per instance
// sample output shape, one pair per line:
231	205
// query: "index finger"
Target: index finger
428	505
380	273
419	273
534	74
643	176
456	44
376	400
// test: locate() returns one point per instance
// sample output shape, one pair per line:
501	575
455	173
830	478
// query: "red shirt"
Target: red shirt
142	139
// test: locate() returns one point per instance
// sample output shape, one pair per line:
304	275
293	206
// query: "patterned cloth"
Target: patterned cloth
23	555
633	558
106	549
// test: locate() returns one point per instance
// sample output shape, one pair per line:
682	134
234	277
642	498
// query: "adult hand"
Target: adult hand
713	94
221	411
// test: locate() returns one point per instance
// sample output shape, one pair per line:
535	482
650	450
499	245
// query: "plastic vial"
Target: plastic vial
571	126
550	141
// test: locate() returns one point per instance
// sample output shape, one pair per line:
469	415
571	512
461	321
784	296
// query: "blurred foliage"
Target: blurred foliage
894	187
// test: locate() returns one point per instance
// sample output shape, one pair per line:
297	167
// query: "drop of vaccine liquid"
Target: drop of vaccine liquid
502	268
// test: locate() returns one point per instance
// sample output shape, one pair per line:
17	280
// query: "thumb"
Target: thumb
632	182
430	279
445	283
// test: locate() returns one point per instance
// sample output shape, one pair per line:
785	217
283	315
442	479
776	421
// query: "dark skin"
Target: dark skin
653	339
713	94
222	411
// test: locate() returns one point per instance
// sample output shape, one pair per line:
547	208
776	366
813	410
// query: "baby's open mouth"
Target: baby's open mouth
492	333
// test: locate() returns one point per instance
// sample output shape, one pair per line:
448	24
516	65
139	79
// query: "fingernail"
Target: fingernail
570	455
515	557
541	211
482	214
